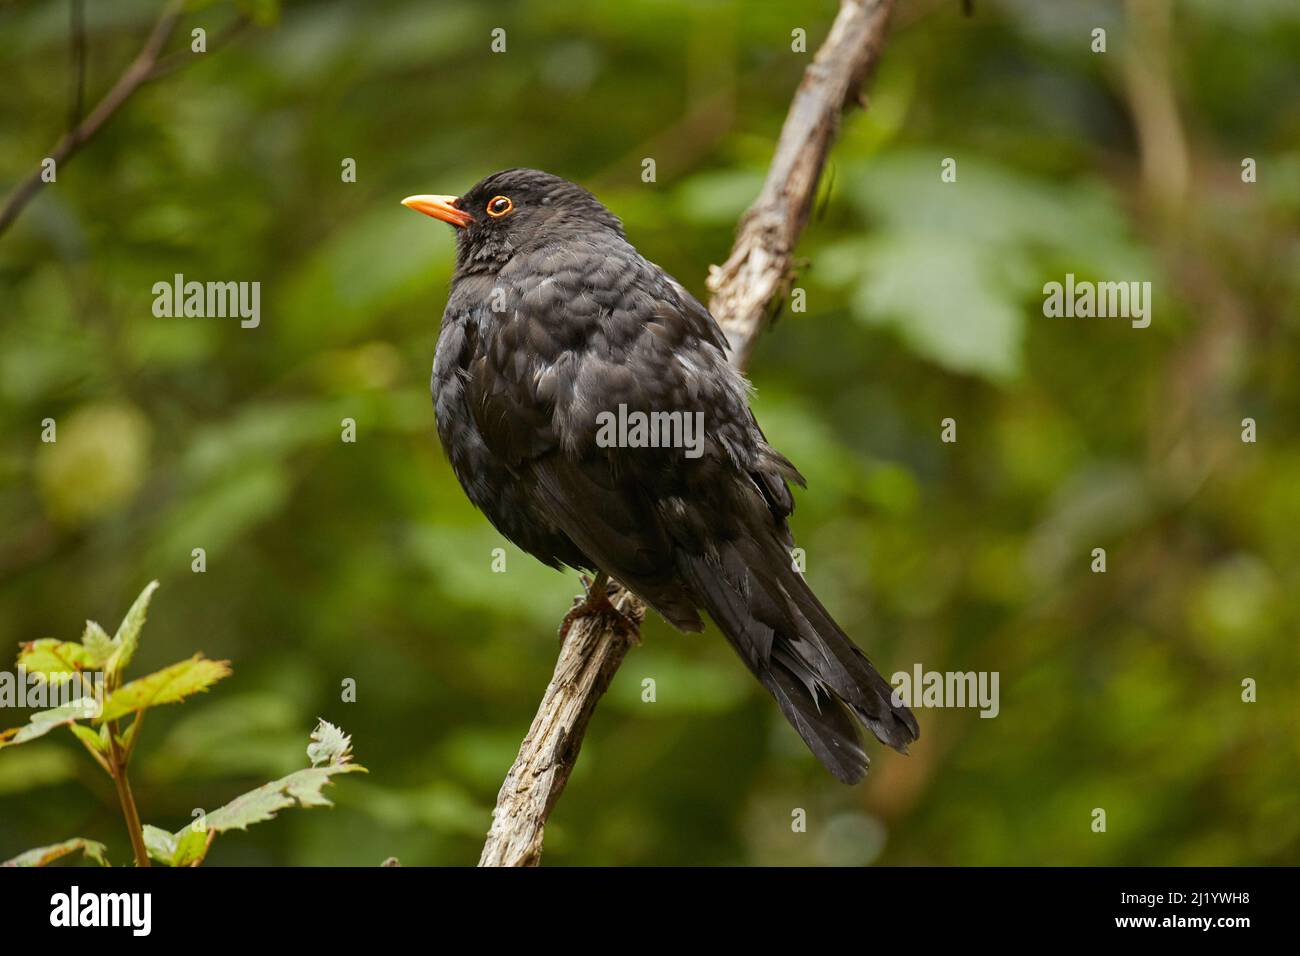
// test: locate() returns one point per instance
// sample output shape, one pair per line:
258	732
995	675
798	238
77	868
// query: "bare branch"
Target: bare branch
758	272
744	289
146	66
588	661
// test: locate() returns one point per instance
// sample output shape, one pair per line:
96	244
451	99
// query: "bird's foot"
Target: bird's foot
595	602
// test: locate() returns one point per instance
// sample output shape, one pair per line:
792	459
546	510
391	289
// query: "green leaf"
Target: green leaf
44	721
303	787
160	844
191	846
184	848
300	788
41	856
97	644
167	686
329	745
128	736
127	638
53	659
89	737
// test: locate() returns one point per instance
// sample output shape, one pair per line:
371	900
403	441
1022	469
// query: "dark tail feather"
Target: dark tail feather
821	720
818	676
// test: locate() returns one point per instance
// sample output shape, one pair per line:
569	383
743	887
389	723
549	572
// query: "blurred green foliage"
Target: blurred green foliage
328	561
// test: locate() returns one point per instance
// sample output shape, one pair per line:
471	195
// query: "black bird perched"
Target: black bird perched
554	324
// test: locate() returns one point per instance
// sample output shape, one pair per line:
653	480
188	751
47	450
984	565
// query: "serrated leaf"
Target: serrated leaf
90	738
191	846
97	644
127	638
53	659
41	856
42	722
167	686
184	848
160	844
329	745
300	788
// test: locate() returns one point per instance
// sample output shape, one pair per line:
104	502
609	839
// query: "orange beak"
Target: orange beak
439	207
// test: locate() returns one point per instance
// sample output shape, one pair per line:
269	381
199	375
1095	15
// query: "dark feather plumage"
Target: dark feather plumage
553	318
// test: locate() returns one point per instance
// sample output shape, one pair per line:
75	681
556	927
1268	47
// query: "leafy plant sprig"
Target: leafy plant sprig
100	726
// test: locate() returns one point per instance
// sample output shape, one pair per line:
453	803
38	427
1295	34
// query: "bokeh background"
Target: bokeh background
329	561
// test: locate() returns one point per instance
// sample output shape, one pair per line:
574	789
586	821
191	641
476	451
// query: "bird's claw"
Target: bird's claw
596	602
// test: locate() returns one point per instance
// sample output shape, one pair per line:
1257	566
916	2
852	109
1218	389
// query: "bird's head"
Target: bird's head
516	209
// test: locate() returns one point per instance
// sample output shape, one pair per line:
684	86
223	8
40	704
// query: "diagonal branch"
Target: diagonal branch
758	273
147	65
744	291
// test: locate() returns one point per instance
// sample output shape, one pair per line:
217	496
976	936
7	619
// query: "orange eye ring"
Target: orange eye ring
498	206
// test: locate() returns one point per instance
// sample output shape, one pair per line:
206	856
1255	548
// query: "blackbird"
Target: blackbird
555	327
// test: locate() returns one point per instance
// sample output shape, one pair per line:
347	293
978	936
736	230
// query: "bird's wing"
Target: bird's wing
490	480
587	338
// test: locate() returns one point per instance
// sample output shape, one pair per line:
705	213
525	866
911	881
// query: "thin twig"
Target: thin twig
77	31
117	764
755	276
178	58
136	75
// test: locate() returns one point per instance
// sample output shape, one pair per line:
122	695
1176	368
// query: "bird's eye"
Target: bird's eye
499	206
